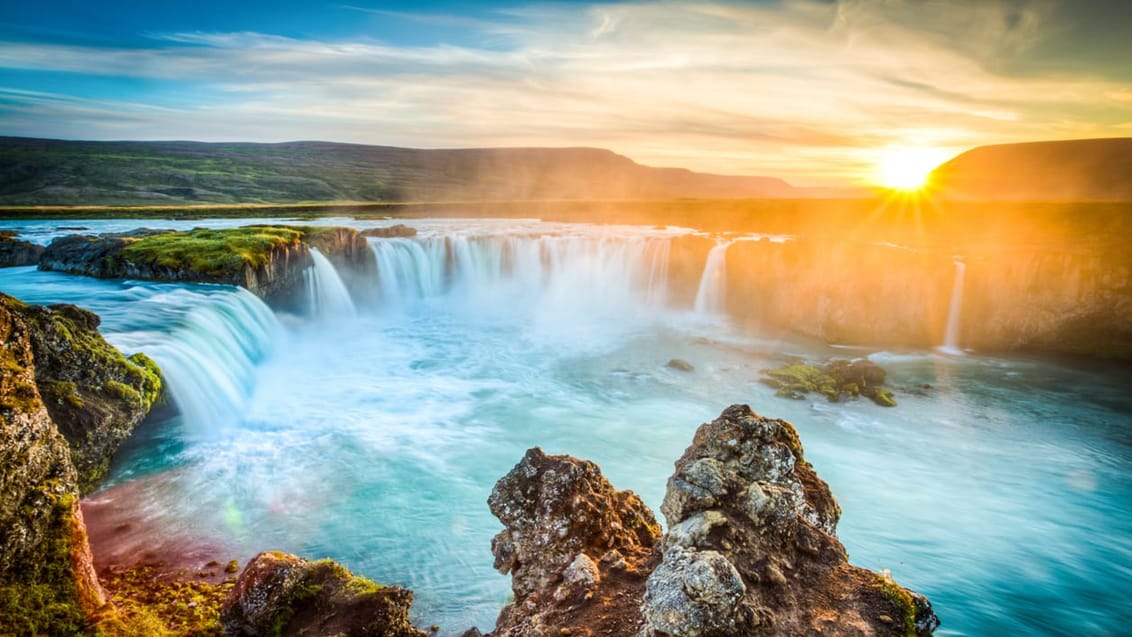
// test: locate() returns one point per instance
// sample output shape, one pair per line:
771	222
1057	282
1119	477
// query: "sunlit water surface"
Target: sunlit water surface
1000	488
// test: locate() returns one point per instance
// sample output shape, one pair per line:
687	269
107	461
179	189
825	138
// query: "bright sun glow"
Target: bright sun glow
908	168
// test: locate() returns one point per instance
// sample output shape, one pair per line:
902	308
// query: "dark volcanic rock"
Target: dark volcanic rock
94	394
576	548
279	595
47	580
14	252
398	230
751	548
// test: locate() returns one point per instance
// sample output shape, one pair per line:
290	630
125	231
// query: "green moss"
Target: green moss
150	604
835	380
148	375
62	392
213	253
900	598
45	599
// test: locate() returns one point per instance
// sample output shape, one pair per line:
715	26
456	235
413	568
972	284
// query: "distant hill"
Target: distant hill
1077	170
54	172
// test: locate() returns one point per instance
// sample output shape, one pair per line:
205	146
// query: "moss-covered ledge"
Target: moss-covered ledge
268	260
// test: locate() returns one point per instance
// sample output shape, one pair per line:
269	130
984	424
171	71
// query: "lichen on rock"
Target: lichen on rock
577	549
752	547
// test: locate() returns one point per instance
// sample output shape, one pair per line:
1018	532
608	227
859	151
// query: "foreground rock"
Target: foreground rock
280	595
751	547
577	549
267	260
14	252
47	581
750	550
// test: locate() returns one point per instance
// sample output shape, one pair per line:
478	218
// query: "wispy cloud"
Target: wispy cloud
801	89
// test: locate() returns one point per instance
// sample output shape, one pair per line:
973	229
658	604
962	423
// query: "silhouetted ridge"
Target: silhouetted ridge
45	172
1076	170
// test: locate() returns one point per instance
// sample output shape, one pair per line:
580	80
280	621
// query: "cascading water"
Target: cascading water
208	359
326	292
951	336
592	273
711	294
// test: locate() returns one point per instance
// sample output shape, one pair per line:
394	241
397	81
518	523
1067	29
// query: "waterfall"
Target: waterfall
568	275
711	293
327	293
208	360
951	337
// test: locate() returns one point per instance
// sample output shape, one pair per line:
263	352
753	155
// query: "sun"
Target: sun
908	169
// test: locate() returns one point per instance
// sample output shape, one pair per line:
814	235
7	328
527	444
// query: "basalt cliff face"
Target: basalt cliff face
751	548
1071	298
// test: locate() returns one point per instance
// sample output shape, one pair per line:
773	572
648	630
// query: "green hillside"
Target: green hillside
55	172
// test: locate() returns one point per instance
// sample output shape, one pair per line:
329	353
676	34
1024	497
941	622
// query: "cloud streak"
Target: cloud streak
810	91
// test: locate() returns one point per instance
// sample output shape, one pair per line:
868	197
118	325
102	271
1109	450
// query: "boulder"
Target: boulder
14	252
47	581
752	548
278	595
94	395
577	549
836	380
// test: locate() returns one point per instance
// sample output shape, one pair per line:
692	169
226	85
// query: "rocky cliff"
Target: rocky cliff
94	394
47	580
751	548
1044	291
267	260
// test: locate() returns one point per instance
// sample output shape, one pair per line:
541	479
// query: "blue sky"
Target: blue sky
815	91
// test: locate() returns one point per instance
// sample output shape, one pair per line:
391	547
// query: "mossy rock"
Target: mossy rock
94	395
836	380
211	254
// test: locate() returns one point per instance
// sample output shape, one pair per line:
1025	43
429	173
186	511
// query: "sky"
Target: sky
813	91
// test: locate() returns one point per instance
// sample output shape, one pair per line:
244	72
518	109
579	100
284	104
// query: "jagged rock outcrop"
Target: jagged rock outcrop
269	261
94	394
14	252
47	580
279	595
577	549
751	547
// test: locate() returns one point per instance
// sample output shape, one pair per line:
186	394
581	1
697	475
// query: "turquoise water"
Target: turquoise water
1002	491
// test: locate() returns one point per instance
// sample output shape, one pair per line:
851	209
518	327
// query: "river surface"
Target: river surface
371	428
